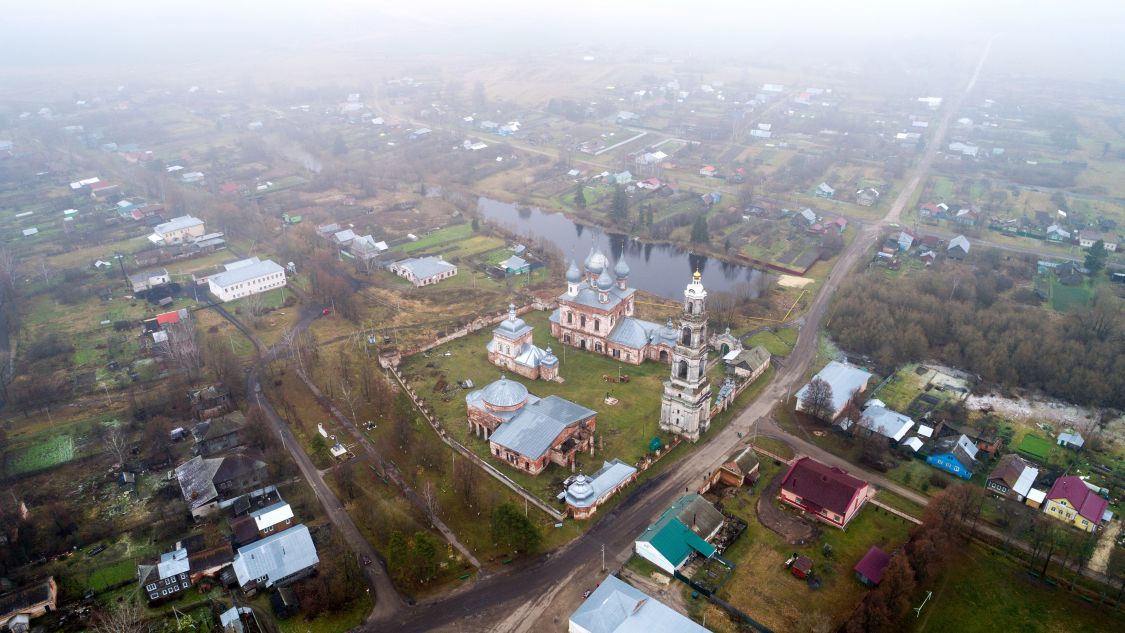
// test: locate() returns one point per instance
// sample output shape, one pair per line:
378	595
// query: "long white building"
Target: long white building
246	277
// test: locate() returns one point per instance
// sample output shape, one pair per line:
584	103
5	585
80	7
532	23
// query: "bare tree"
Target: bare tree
430	498
465	480
182	348
349	396
123	617
116	443
255	304
817	400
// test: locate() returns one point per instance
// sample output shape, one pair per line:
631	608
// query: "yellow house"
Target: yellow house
1071	501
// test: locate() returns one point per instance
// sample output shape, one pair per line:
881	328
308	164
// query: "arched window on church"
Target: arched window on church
597	325
582	320
687	308
686	337
682	371
569	318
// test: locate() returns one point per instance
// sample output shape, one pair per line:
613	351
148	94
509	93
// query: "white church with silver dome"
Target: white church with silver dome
512	349
596	314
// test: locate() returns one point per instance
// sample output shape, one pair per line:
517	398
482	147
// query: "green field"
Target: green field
778	343
50	452
453	233
1037	447
982	591
1065	298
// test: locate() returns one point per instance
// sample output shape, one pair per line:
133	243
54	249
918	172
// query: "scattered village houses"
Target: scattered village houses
217	435
260	523
682	532
276	560
167	578
30	601
176	230
204	480
584	494
955	454
1070	500
827	492
246	277
1012	477
748	364
596	314
958	247
526	431
148	279
512	349
616	607
883	421
424	271
869	569
1087	239
844	379
824	190
740	469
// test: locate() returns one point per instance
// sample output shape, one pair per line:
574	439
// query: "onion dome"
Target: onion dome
621	269
597	262
605	282
549	359
573	275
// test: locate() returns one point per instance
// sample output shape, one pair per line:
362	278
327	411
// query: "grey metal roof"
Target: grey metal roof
196	477
514	262
246	273
590	491
573	275
843	378
512	327
275	557
616	607
175	224
886	422
534	429
504	393
425	267
959	242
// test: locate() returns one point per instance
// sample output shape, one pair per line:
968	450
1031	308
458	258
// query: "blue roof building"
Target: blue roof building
954	455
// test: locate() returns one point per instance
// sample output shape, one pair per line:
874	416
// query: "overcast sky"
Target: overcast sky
1055	38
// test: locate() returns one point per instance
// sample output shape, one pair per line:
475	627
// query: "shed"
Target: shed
869	569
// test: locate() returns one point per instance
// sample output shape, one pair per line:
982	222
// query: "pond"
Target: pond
662	269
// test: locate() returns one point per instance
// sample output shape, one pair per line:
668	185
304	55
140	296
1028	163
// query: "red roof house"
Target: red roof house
1070	500
869	569
827	492
168	317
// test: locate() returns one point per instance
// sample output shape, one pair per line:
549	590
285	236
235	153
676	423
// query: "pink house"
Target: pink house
827	492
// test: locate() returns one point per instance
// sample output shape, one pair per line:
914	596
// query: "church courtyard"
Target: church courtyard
624	429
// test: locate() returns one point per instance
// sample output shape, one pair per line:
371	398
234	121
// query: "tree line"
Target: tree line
970	320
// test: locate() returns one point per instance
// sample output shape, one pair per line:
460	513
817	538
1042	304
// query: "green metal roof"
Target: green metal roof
674	540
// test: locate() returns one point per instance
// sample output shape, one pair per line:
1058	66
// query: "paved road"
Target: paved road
387	598
552	586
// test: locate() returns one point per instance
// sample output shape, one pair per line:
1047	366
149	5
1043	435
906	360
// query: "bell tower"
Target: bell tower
685	407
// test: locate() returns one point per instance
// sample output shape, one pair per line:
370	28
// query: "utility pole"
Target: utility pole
603	556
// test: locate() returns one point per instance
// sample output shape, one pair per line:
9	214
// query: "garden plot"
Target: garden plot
44	454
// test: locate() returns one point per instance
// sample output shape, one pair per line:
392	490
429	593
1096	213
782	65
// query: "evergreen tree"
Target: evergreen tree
699	234
398	554
1095	257
620	209
580	196
424	556
510	527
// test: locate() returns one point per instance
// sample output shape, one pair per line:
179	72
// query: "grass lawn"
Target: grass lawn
765	590
46	453
778	343
623	429
1036	447
1064	298
982	591
900	503
327	622
777	447
453	233
900	391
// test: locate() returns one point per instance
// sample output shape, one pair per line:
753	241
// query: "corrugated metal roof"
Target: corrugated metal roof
843	378
175	224
616	607
271	515
535	428
425	267
886	422
608	477
275	557
244	273
672	537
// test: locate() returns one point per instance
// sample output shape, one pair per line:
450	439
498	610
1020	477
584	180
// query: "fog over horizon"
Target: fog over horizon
1071	41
